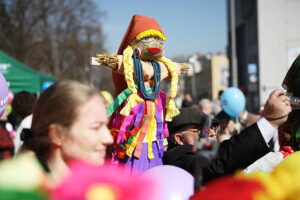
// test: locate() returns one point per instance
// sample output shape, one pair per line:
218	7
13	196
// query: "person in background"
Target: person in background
18	140
227	126
190	119
217	106
214	129
205	106
187	100
22	106
8	126
69	122
6	142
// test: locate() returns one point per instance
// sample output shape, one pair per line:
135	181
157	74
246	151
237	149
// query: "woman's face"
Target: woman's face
88	137
212	133
190	134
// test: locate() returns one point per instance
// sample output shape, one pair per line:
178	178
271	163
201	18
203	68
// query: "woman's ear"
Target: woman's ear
55	134
178	138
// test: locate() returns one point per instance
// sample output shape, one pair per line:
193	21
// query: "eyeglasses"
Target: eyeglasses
193	131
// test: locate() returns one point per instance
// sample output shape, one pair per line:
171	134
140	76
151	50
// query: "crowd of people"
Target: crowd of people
69	121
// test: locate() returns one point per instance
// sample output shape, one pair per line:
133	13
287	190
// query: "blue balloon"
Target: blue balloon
46	84
233	101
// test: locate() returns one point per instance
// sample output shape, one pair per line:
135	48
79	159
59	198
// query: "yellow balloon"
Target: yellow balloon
107	96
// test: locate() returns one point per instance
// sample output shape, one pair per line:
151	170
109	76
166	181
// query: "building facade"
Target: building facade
211	77
267	40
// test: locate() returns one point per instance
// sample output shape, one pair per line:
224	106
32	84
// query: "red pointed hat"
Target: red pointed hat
138	24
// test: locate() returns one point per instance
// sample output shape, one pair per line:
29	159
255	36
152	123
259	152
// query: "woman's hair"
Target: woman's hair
59	104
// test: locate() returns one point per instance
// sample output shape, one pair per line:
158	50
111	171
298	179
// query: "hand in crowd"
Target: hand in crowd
277	108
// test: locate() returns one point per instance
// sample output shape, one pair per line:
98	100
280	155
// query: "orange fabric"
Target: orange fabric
138	24
138	150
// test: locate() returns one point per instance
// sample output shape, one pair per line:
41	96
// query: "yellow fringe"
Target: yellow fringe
151	128
172	110
280	183
130	147
149	33
132	101
128	69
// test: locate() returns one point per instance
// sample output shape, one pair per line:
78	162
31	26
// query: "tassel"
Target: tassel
152	127
172	110
133	100
131	146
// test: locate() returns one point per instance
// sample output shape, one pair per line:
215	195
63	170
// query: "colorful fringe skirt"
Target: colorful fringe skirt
138	137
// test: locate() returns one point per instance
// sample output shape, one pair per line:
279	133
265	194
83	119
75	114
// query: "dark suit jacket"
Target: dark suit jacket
236	153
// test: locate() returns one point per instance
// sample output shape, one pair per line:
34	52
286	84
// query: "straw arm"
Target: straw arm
115	62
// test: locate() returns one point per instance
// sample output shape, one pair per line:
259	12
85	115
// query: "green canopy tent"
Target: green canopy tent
20	77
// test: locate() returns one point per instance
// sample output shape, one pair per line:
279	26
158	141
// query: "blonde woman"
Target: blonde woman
69	122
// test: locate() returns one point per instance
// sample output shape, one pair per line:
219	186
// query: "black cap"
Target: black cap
187	116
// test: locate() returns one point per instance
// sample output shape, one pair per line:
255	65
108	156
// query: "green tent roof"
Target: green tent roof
21	77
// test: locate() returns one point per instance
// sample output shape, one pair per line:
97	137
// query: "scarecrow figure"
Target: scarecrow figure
140	110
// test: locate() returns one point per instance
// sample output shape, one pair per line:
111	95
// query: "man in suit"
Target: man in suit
236	153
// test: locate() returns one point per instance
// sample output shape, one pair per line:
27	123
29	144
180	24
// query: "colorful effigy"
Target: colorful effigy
141	109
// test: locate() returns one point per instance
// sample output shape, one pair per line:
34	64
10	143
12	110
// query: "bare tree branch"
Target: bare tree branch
53	36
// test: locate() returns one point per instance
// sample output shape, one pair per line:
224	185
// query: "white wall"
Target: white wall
278	40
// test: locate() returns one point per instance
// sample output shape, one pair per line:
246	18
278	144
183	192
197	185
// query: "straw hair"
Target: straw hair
150	33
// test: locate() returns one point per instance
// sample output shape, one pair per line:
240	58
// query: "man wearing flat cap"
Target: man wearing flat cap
185	128
236	153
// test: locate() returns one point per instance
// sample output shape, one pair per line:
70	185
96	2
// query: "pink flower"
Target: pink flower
104	183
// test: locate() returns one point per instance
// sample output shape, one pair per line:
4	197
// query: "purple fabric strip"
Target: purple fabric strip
143	163
127	122
162	103
116	121
159	130
166	130
163	98
139	114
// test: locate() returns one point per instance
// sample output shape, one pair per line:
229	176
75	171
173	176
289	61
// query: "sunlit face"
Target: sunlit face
207	109
212	134
213	131
190	134
88	136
